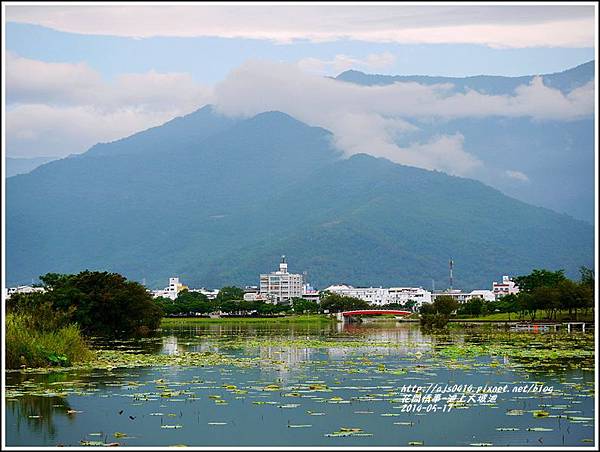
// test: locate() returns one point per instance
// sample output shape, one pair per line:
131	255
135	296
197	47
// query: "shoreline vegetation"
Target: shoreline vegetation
555	349
29	345
55	328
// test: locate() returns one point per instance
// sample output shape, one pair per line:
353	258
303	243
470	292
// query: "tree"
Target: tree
548	298
474	307
445	305
574	296
437	314
430	318
539	278
587	276
411	305
334	302
167	306
302	306
527	305
230	293
508	303
102	303
192	303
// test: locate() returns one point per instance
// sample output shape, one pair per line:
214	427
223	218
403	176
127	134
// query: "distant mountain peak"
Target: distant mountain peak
215	198
587	67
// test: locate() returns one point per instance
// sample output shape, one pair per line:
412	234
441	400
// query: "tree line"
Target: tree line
230	300
542	291
545	291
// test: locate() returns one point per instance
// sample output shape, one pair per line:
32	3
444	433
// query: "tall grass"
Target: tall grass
34	347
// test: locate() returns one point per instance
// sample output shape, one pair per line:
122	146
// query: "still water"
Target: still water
315	384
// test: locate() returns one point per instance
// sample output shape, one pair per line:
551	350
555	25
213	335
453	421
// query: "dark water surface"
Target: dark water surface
309	386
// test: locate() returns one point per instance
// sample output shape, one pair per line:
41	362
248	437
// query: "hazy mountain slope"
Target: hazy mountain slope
549	153
129	209
17	165
383	224
219	200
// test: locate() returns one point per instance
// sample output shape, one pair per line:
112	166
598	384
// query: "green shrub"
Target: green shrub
32	347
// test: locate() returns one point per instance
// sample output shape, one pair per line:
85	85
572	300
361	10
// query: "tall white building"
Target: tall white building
171	291
506	287
281	286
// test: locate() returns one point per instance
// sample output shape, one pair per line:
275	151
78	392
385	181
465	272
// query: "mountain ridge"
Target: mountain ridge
562	80
220	208
540	150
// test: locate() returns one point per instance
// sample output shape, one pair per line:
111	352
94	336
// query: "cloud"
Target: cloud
36	129
514	26
517	175
30	80
72	84
372	119
64	108
340	63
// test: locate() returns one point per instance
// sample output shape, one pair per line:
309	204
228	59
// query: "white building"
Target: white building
171	291
506	287
255	296
403	294
381	296
310	294
485	295
281	286
22	289
210	294
372	295
463	297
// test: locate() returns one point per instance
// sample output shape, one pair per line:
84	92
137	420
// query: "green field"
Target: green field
561	317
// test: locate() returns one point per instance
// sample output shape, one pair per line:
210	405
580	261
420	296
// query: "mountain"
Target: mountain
15	165
549	153
564	81
216	201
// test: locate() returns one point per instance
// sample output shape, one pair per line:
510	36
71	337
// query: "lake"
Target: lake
203	383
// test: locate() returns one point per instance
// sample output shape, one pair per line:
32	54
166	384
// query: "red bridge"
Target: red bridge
342	316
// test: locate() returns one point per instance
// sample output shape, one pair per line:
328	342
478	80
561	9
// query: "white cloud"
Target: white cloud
496	26
36	130
46	117
370	119
64	108
340	63
517	175
71	84
31	80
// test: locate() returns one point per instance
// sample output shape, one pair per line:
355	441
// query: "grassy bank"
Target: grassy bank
560	317
31	347
170	321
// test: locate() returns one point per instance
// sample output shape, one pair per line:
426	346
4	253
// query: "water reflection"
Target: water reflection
363	378
37	413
